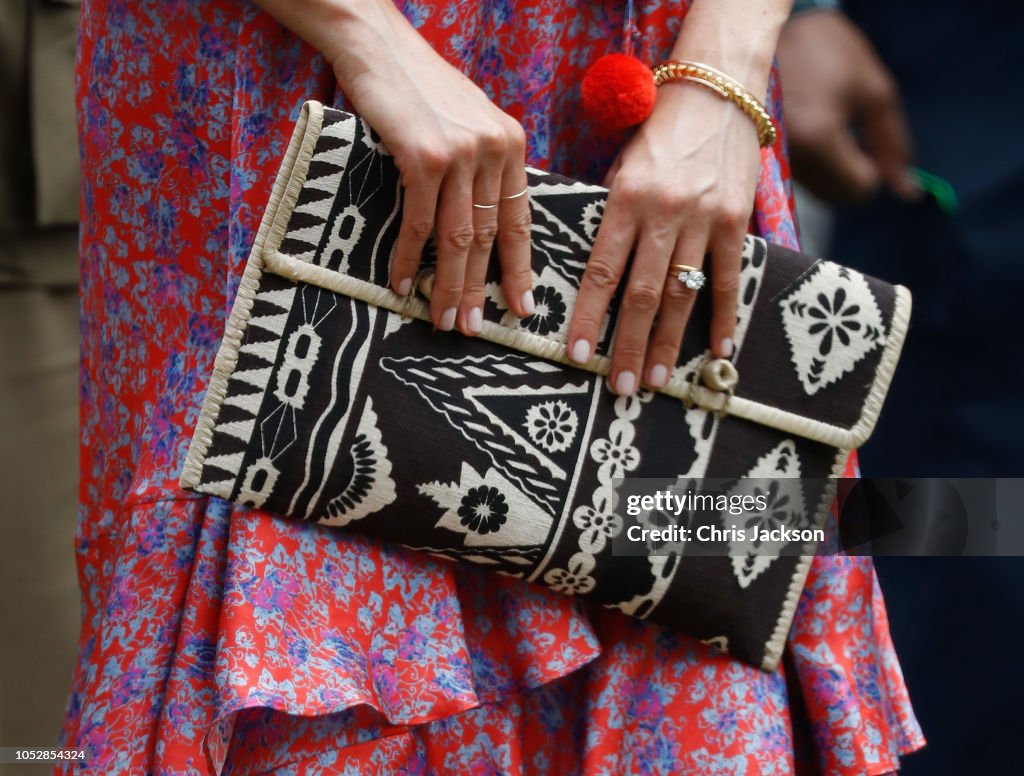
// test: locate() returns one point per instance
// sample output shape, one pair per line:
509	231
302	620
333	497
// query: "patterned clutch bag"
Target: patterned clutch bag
334	399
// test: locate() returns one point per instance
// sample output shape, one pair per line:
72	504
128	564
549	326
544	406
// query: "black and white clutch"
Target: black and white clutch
333	399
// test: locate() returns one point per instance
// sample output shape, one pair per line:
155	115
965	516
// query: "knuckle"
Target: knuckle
812	130
520	274
670	201
663	351
584	322
707	205
725	283
419	230
484	234
473	289
448	289
678	292
519	228
492	141
601	273
733	215
882	91
465	146
434	159
630	190
630	352
516	137
460	236
642	298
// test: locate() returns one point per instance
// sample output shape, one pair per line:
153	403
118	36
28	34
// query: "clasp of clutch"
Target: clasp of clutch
716	374
424	284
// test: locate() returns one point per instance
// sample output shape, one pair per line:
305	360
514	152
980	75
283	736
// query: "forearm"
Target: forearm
737	37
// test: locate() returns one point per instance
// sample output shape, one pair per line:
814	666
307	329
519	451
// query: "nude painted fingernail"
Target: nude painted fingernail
659	375
447	320
625	383
475	320
580	352
727	347
405	286
528	304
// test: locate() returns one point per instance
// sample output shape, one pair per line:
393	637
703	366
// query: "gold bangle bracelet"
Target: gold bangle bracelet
726	87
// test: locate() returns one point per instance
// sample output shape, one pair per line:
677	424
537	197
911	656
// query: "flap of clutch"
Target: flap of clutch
816	343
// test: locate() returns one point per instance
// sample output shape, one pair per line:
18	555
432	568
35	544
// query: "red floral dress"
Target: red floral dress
217	639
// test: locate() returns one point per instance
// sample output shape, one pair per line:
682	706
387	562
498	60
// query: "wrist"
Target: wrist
358	37
351	34
735	36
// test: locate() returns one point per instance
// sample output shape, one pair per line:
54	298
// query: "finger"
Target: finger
887	138
454	237
834	167
676	305
600	279
514	233
726	260
419	206
486	194
640	304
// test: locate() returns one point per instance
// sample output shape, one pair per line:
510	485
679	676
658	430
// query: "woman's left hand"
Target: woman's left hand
682	188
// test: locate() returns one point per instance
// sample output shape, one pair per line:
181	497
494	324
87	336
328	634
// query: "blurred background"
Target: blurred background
38	370
904	121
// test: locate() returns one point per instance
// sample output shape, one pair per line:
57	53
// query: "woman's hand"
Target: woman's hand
682	186
681	189
461	158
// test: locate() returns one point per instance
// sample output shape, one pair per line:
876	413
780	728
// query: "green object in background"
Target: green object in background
803	6
940	189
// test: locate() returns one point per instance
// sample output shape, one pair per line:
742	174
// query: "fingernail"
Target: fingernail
659	375
447	320
405	286
727	347
476	320
528	304
625	383
580	352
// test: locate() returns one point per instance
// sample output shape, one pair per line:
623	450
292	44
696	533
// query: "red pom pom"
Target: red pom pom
618	91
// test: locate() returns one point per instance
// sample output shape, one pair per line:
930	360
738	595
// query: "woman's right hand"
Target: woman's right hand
454	148
452	145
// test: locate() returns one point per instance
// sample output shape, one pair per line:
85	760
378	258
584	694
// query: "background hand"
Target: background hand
835	85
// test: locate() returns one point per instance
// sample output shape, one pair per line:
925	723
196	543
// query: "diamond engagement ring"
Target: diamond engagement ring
691	277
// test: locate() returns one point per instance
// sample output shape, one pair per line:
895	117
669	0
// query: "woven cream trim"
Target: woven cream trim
872	406
286	189
776	644
902	306
542	347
